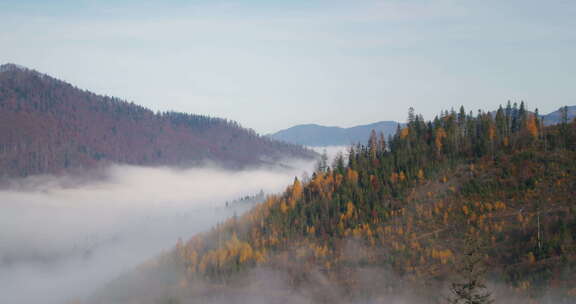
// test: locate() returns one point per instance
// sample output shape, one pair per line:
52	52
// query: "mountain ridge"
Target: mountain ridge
48	126
318	135
555	117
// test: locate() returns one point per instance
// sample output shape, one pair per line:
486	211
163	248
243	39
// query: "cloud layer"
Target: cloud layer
63	237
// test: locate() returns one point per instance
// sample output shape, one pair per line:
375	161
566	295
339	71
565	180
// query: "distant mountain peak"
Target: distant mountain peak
318	135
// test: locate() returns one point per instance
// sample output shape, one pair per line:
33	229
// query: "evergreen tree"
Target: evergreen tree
322	165
411	115
564	115
472	289
508	118
564	126
515	118
522	114
461	117
501	122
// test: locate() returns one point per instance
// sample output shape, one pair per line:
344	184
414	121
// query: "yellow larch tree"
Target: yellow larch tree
532	126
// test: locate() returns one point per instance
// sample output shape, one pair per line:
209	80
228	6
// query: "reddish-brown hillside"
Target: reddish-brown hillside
48	126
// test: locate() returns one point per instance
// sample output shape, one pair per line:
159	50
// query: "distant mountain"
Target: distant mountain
317	135
556	116
47	126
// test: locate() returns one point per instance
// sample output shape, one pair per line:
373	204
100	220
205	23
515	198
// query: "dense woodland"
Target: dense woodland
49	126
394	215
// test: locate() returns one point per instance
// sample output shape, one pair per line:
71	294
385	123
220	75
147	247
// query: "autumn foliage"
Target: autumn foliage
407	205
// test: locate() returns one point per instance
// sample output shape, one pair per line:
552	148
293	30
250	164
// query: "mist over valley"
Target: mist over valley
64	236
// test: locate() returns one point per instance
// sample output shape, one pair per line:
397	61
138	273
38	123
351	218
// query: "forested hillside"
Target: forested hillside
391	219
47	126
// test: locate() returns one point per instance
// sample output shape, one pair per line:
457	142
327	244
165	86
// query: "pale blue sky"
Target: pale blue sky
274	64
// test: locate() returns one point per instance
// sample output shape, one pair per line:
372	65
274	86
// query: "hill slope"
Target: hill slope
317	135
47	126
391	221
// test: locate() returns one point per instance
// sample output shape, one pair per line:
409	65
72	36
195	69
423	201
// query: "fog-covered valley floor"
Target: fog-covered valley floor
63	237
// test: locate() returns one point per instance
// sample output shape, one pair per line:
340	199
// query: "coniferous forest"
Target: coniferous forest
467	204
50	127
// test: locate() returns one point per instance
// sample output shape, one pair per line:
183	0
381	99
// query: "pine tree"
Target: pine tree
564	115
472	289
322	164
515	118
411	115
564	125
522	114
501	121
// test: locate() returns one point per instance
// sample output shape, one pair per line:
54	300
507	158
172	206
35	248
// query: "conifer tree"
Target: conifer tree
322	164
472	289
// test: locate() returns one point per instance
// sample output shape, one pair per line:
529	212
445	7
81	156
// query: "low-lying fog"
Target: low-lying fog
332	151
63	237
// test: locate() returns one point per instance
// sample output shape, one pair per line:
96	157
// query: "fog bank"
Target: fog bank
332	151
63	237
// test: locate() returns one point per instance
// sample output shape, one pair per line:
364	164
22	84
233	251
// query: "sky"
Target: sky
273	64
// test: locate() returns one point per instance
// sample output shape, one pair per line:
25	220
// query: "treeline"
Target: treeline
49	126
406	204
